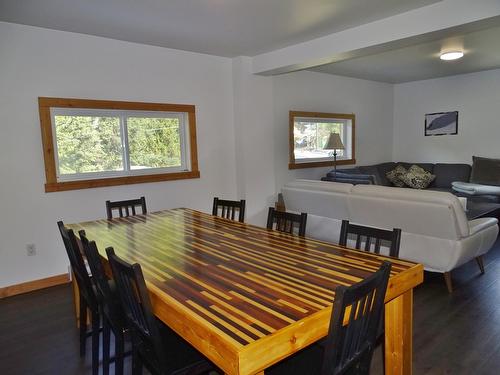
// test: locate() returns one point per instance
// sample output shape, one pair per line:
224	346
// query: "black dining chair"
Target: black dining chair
367	236
126	208
287	221
352	335
88	298
371	239
154	345
228	209
113	317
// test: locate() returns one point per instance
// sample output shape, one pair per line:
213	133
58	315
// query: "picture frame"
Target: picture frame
441	123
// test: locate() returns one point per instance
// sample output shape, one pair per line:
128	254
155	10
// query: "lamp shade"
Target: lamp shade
334	142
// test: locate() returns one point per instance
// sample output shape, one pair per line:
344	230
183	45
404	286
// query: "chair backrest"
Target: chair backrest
77	264
286	221
227	209
126	208
136	304
368	236
356	316
103	290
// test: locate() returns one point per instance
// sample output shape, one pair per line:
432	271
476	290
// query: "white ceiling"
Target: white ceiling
219	27
421	61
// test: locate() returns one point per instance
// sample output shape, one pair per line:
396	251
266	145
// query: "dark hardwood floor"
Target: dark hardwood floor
453	334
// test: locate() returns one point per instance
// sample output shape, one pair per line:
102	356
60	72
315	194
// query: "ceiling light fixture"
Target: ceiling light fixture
454	55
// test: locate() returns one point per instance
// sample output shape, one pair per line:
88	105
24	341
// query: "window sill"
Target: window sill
317	164
114	181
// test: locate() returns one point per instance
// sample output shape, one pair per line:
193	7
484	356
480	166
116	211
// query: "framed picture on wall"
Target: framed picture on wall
441	123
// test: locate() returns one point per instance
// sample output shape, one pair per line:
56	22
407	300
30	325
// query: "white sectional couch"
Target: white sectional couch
435	229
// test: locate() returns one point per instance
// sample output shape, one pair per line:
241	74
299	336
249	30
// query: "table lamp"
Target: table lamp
334	143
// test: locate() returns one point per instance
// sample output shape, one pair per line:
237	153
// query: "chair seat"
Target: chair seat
201	367
305	362
185	359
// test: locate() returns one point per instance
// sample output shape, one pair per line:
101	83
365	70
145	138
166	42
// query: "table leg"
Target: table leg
398	334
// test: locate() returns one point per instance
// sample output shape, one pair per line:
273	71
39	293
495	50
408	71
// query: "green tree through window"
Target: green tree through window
87	144
154	142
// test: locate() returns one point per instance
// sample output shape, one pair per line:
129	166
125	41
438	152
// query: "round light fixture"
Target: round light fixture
454	55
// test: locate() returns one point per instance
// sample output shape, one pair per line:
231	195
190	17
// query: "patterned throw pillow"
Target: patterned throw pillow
417	178
395	176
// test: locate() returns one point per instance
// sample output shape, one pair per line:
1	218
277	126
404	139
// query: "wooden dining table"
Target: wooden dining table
248	297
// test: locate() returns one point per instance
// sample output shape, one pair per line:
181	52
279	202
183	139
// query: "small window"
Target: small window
103	143
309	133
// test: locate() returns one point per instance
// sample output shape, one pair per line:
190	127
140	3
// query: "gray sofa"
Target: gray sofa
445	173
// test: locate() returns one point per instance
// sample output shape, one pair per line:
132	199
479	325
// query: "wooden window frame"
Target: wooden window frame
52	185
315	164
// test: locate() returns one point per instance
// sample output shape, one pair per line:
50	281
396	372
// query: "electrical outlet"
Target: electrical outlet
31	249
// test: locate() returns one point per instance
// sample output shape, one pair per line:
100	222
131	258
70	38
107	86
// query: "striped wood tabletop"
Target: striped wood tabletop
243	295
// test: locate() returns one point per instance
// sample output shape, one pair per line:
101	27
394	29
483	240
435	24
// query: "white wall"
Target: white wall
372	102
39	62
253	122
242	128
475	96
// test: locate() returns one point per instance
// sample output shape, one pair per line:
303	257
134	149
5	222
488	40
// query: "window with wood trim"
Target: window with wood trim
95	143
308	136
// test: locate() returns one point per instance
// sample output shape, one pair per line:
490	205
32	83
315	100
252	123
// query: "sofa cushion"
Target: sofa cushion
448	173
445	190
349	180
371	170
417	178
346	170
395	176
329	199
429	167
356	175
425	212
315	185
485	171
381	170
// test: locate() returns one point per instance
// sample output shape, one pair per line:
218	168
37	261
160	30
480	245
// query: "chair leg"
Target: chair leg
136	363
382	347
95	342
83	326
106	333
447	279
480	263
119	352
381	338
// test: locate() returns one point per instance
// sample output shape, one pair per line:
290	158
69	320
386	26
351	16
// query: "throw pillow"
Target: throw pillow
417	178
395	175
485	171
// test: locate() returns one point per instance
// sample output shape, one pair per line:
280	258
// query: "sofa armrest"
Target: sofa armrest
480	224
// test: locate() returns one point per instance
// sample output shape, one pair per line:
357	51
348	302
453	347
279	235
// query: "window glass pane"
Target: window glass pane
88	144
154	142
310	137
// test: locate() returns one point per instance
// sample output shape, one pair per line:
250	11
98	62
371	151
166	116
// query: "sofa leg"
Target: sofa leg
480	263
447	279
